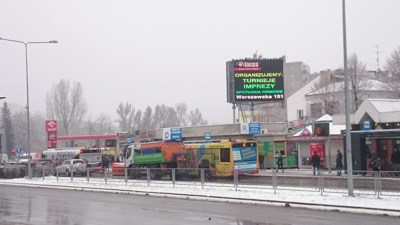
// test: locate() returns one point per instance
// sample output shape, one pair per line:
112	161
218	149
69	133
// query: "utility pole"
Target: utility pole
349	160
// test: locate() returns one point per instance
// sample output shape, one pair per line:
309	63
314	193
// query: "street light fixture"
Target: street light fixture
27	92
2	97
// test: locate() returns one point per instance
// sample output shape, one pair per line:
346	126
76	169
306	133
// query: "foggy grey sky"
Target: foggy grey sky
168	52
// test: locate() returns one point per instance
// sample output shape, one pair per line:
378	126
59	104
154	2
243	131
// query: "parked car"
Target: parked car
77	166
43	165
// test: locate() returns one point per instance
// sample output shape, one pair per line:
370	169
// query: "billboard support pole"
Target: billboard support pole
252	111
234	112
329	153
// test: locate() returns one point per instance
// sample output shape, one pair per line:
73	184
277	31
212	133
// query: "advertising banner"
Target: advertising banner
172	134
256	80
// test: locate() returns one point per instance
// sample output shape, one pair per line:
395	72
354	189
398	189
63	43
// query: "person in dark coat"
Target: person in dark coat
339	162
395	156
315	161
105	162
279	162
377	165
261	161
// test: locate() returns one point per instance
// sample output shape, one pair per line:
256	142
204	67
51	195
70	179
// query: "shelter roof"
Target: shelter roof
380	110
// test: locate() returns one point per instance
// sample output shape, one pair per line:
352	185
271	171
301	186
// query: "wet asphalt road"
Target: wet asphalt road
38	206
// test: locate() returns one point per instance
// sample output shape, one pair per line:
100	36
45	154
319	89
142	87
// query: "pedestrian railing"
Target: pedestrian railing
378	183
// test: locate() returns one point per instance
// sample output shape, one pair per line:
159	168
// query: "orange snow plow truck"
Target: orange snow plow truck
154	155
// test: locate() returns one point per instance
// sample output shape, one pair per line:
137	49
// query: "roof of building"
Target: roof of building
386	105
369	85
380	110
325	117
333	129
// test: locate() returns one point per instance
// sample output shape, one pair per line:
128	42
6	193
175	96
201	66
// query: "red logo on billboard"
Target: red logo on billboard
247	65
51	125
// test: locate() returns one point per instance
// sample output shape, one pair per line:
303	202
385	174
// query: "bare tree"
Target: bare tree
266	112
158	116
195	118
125	114
393	68
104	124
171	118
137	120
357	79
101	125
65	103
181	113
326	91
147	119
164	116
20	125
38	134
90	125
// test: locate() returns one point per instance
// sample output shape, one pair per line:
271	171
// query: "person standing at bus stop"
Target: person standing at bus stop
339	162
279	162
315	161
261	161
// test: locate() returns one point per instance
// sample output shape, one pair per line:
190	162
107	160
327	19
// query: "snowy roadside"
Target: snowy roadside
368	204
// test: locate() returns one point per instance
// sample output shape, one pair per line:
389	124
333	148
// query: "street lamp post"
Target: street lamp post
349	160
1	149
27	93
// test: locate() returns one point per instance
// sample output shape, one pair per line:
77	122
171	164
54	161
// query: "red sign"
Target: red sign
51	125
320	150
51	140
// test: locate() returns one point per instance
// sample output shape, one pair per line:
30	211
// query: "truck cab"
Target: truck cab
126	159
129	154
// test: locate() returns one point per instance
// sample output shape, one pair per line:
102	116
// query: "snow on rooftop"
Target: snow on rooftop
333	129
305	131
336	129
325	117
386	105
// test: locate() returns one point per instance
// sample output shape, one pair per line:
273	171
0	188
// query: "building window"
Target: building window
300	114
332	107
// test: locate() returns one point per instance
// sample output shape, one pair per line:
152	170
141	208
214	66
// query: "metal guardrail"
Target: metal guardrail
378	183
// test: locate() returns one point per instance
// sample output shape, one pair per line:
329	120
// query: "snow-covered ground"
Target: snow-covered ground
371	204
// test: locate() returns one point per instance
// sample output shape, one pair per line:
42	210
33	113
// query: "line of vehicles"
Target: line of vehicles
219	158
75	160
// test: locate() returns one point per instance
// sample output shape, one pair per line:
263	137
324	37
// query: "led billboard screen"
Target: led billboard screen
321	129
256	80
